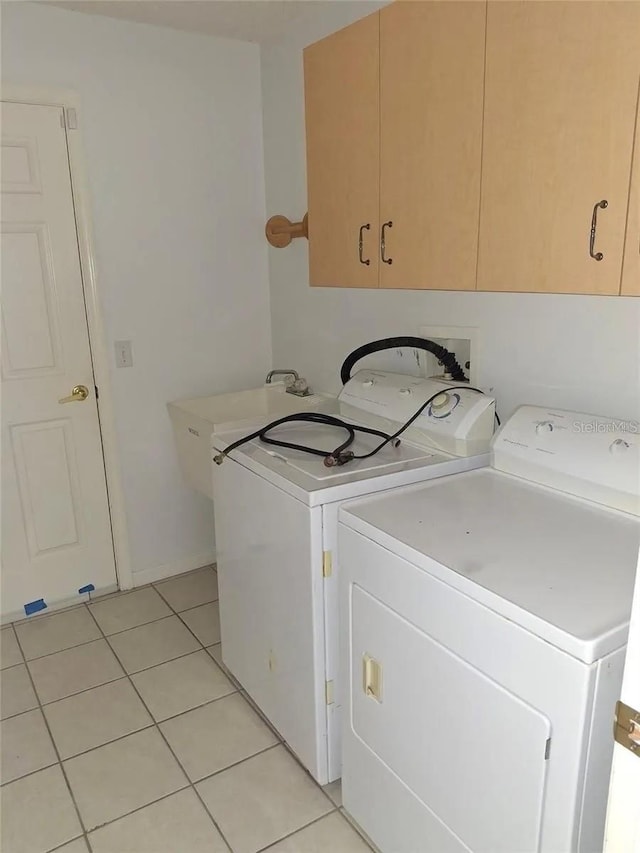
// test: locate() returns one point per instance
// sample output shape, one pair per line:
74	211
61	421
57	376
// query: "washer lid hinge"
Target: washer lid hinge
327	564
626	727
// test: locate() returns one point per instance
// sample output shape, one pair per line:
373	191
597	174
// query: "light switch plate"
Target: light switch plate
124	357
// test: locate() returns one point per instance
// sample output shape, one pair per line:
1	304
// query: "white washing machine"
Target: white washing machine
276	519
485	619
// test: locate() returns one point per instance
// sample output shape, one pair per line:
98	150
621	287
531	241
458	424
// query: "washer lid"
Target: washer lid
308	479
557	565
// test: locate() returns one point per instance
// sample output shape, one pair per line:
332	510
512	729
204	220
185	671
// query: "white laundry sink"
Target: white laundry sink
194	422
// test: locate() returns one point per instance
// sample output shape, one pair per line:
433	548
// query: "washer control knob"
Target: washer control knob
618	446
368	383
405	392
441	401
544	427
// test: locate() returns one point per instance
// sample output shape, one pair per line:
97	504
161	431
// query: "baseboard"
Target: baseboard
53	606
178	567
142	578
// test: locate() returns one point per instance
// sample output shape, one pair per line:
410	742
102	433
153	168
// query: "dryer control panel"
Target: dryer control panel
592	457
458	420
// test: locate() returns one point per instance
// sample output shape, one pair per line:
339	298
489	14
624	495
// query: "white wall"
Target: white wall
171	124
578	352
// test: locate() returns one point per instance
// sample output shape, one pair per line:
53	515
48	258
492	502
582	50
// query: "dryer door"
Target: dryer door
470	755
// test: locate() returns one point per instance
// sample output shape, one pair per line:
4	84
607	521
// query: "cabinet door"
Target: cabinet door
560	102
431	91
341	75
631	262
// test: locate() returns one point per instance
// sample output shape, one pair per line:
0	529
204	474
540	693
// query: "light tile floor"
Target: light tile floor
121	732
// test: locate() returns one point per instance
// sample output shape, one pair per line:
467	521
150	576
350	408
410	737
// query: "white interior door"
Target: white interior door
623	814
56	532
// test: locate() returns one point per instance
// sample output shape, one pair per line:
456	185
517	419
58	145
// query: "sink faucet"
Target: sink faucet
273	373
299	386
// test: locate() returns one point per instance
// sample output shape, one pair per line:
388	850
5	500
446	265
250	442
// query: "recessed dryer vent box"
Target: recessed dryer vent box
462	341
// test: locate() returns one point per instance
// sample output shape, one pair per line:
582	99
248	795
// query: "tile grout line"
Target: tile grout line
138	809
166	742
352	823
300	828
185	787
157	584
11	627
148	725
62	846
281	742
41	616
57	752
117	633
40	706
112	680
300	764
31	772
178	612
100	600
238	688
106	597
192	784
236	685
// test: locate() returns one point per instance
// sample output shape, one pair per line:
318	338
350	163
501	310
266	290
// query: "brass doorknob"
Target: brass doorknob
78	394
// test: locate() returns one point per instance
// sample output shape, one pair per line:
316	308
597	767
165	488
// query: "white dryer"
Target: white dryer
484	627
276	519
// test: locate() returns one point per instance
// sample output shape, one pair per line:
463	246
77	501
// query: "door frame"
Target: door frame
69	99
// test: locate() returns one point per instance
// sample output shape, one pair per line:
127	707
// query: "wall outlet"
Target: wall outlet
124	357
462	341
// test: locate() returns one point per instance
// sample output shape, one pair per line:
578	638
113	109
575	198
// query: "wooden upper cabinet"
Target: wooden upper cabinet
560	102
431	96
631	262
341	75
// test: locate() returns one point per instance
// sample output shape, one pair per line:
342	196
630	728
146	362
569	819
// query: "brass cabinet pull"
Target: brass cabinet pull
385	225
78	394
597	256
362	260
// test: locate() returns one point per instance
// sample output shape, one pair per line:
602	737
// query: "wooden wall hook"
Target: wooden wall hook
280	231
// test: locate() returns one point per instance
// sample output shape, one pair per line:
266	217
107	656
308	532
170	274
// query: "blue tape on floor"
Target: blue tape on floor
88	588
34	606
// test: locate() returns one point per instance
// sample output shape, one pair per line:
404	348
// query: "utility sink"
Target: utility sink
194	422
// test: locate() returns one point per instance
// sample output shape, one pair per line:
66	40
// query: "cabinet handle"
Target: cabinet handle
385	225
597	256
364	261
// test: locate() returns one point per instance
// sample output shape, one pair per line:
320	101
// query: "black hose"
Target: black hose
337	456
443	355
341	454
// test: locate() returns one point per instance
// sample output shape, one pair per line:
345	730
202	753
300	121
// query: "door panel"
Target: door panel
431	92
631	262
560	102
449	732
341	75
56	534
20	172
30	334
43	464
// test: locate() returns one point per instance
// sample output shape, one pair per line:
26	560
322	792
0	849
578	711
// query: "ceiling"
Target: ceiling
261	21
